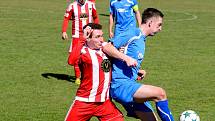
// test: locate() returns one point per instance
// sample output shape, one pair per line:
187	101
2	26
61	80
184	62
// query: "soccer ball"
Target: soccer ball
189	115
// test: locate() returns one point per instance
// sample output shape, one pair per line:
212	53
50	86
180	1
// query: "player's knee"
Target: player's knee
162	94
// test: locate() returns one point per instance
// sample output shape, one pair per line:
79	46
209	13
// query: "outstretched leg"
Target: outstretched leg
157	94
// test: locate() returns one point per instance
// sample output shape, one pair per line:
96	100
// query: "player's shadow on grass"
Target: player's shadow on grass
102	14
59	76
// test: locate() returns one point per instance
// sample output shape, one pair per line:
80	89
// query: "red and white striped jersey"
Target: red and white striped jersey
95	76
90	0
93	1
80	16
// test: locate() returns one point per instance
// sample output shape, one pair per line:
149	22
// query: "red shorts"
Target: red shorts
83	111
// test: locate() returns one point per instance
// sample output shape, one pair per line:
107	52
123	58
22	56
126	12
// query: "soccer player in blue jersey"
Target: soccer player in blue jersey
124	88
124	14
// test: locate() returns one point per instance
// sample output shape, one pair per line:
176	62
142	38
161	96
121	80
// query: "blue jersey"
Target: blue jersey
134	42
123	13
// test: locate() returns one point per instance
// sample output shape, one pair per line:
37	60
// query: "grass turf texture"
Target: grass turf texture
34	75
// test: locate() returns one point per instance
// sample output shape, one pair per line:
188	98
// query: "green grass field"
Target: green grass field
33	67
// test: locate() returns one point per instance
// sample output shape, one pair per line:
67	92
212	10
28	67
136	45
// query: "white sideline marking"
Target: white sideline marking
192	16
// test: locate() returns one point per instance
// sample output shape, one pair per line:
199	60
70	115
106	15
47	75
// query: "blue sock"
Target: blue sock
163	111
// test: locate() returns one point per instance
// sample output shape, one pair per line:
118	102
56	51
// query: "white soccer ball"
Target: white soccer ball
189	115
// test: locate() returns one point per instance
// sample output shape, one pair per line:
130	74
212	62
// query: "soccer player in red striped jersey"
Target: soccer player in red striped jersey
92	97
80	12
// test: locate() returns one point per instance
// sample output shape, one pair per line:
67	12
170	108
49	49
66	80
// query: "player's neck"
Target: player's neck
143	30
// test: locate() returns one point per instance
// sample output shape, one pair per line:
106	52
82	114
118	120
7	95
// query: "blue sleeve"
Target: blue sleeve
135	2
121	39
111	8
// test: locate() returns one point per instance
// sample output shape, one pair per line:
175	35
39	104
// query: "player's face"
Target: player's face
155	25
96	40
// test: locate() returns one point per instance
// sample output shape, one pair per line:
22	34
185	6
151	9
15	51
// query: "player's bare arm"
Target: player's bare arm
137	14
113	52
138	17
111	26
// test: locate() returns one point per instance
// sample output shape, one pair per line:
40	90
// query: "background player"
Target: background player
123	13
80	12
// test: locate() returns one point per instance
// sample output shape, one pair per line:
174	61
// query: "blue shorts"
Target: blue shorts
124	95
124	91
132	107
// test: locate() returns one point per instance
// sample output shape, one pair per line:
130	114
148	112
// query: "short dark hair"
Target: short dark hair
93	26
149	13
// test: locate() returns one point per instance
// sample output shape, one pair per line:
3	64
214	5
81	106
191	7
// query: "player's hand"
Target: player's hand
122	49
111	34
87	32
141	74
130	61
64	36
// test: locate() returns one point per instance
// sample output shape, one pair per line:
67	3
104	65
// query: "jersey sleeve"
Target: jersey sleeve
67	17
111	8
121	39
135	6
68	12
135	2
95	15
74	56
